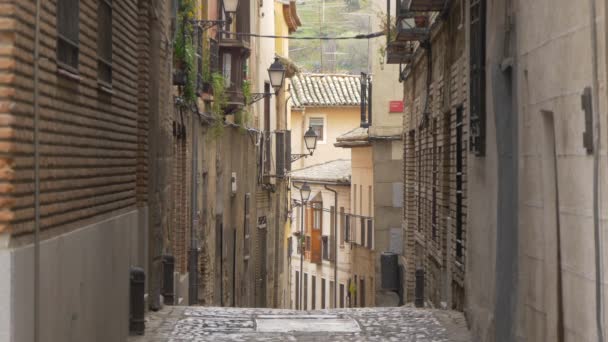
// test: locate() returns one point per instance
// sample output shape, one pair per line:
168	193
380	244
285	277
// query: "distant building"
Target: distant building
330	105
332	249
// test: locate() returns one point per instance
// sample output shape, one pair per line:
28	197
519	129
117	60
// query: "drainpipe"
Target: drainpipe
335	232
599	315
193	254
36	178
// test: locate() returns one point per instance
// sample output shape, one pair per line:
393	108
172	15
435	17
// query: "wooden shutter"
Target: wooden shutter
288	150
280	154
316	246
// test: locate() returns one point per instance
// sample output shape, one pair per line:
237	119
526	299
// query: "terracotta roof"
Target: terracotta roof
324	90
335	171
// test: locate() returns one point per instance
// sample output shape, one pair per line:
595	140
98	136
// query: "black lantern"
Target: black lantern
230	6
305	193
276	73
310	140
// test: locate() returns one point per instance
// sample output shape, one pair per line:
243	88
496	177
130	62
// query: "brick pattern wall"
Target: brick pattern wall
430	168
88	138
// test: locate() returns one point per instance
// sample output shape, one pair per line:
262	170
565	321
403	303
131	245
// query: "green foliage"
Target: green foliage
184	53
243	116
384	25
220	101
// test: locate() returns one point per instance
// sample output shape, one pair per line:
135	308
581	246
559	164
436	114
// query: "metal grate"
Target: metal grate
104	41
477	83
68	32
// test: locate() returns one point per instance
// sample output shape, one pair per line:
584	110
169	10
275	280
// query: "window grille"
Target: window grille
68	33
477	82
104	41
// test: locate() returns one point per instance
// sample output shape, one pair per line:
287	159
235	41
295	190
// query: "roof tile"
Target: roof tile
325	90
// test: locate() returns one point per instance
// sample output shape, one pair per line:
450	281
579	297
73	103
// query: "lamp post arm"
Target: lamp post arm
207	24
255	97
295	157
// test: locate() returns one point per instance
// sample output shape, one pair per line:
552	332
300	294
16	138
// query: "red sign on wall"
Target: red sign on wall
395	107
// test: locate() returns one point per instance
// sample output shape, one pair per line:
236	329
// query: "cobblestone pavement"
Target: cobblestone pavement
407	324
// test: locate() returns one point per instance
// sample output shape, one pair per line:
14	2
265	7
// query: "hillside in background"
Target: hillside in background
332	18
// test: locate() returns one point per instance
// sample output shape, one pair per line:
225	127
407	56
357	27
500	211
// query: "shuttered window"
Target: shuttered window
477	82
280	155
104	41
68	33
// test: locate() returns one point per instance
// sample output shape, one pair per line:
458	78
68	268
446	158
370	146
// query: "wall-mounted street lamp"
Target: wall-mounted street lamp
310	140
304	197
276	74
230	7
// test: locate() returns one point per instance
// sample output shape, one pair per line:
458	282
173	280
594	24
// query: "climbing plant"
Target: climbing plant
184	51
220	100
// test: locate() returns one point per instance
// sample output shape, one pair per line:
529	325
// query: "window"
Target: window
104	41
332	294
362	291
342	226
363	220
317	215
308	243
347	228
323	306
341	295
318	125
314	292
67	33
477	84
325	247
227	69
370	231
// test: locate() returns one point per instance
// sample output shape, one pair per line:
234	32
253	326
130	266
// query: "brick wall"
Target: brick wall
92	142
430	163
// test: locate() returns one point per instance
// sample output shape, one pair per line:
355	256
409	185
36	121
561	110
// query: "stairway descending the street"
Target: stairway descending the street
407	324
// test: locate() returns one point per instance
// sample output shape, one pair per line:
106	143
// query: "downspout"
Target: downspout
596	159
193	262
36	178
335	232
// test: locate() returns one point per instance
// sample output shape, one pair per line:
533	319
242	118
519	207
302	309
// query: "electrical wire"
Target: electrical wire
359	36
327	210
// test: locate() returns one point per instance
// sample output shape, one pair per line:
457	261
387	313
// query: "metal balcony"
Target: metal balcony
427	5
399	53
408	31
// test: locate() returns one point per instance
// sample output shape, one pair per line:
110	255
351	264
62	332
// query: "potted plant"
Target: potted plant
421	21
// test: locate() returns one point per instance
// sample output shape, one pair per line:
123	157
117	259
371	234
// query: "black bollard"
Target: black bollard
168	271
137	305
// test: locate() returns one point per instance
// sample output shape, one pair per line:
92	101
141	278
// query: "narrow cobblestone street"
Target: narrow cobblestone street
406	324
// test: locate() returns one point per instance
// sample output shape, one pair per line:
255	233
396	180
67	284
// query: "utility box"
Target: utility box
389	263
137	301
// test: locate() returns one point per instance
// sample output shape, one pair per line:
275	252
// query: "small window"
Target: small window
325	247
68	33
227	69
104	41
317	125
317	215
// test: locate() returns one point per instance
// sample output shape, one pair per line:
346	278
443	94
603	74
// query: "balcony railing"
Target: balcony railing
399	52
426	5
